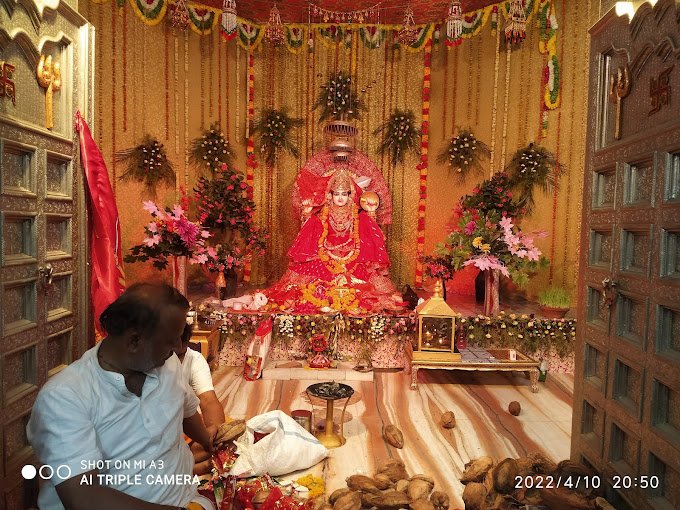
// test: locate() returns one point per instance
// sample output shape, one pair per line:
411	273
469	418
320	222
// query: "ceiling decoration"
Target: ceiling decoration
391	11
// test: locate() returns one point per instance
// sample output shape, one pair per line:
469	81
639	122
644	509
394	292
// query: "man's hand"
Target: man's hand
212	434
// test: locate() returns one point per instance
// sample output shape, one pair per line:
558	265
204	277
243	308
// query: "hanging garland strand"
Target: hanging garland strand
251	163
494	108
166	72
423	165
113	96
125	29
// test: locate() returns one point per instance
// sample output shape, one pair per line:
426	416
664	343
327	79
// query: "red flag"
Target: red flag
108	278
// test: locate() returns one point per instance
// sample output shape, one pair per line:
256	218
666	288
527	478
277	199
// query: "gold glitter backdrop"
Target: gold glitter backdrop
172	86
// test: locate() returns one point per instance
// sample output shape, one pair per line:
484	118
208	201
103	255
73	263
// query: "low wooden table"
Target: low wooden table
483	360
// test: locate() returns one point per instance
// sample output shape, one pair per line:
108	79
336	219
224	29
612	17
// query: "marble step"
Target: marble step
299	371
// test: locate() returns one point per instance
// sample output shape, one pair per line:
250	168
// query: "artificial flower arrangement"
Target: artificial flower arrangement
221	258
337	99
399	136
211	149
533	166
170	233
273	130
223	202
147	163
487	237
463	153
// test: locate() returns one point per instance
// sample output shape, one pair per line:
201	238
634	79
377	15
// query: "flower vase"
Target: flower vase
220	286
491	287
179	273
231	279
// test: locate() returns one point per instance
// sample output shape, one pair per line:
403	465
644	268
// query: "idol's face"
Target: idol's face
340	198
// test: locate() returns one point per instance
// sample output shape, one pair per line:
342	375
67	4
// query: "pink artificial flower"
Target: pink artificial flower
533	254
187	231
201	258
150	206
486	262
177	211
230	187
152	227
205	234
152	241
506	223
470	228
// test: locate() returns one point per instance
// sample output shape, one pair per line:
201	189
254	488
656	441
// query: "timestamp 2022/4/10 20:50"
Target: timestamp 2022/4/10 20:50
585	482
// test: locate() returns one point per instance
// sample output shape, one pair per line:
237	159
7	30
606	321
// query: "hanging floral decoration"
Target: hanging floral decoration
229	21
273	32
533	166
211	150
148	163
409	33
516	29
179	17
464	153
454	24
399	136
337	99
273	130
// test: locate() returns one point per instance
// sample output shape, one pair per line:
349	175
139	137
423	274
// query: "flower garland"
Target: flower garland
463	153
533	166
251	161
338	265
423	165
522	332
212	149
333	298
337	99
399	136
148	163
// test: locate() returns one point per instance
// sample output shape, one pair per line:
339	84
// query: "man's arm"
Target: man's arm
194	428
80	496
211	409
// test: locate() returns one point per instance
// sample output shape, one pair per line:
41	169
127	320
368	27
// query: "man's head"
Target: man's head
184	344
147	320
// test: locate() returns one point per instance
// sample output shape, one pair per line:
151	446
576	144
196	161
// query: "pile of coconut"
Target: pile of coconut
389	489
534	480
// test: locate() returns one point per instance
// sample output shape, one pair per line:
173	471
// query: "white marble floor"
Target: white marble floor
478	399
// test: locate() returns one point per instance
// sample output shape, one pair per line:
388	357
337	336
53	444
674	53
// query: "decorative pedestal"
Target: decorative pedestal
330	392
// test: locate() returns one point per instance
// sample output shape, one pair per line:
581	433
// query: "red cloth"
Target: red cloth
106	258
374	290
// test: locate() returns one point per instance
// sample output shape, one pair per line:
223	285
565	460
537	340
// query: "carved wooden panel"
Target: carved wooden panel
629	285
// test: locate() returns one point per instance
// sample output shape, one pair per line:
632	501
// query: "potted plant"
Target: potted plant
555	302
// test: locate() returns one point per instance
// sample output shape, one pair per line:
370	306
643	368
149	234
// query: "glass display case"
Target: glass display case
436	330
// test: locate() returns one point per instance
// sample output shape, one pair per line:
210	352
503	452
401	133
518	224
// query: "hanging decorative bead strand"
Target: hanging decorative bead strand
229	22
179	17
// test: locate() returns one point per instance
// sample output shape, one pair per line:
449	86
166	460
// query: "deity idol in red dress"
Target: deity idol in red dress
338	261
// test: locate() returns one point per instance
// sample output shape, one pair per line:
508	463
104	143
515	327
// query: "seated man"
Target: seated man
115	416
196	373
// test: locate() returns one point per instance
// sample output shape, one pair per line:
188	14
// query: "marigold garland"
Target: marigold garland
424	162
338	265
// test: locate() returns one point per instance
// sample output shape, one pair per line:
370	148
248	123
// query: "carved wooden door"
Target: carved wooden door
43	279
627	388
